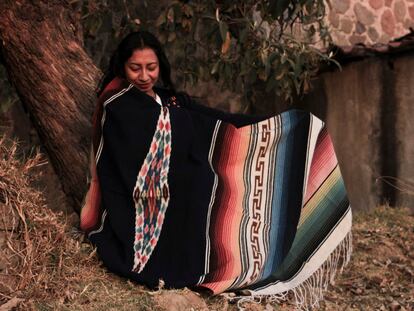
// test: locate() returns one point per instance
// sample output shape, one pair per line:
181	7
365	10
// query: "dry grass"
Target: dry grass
48	264
381	273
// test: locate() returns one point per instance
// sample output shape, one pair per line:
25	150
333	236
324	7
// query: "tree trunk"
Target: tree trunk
55	79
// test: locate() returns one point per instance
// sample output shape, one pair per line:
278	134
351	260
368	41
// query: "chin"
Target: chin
147	89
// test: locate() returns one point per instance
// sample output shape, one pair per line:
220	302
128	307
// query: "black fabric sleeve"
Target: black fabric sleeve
237	119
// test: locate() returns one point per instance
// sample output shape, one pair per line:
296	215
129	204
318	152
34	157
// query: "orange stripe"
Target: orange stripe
323	162
235	146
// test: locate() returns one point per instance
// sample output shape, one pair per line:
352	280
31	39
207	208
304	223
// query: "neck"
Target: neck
151	93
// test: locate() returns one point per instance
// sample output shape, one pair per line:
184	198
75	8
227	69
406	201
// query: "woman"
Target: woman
200	198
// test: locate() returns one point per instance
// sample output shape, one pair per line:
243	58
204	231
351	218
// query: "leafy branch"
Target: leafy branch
245	43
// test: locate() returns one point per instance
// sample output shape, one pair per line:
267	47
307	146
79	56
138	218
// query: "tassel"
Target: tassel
309	293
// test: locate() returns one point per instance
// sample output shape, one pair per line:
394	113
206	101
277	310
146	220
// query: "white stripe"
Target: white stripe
276	127
123	91
271	133
315	128
320	255
243	241
212	199
102	224
106	102
99	151
101	142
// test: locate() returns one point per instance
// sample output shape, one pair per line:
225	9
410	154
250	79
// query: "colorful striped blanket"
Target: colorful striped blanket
196	197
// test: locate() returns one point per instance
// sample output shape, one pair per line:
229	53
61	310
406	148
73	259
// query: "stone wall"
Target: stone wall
368	107
369	21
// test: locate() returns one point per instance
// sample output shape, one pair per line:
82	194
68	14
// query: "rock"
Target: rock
408	23
411	12
376	4
341	6
388	3
384	39
400	30
400	10
333	18
359	28
388	23
363	14
177	301
355	39
340	39
346	25
373	34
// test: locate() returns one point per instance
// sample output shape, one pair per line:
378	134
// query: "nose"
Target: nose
143	76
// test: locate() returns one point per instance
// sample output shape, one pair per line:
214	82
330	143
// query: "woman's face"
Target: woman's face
142	69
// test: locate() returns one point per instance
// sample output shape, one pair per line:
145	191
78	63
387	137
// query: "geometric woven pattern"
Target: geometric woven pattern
151	193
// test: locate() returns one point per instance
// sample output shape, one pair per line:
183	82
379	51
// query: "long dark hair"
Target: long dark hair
135	41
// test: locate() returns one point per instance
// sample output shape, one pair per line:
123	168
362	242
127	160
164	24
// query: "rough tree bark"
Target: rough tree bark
41	45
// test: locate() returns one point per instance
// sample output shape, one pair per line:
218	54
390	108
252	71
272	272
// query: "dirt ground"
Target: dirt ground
47	264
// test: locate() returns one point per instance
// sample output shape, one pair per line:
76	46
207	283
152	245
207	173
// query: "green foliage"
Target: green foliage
104	24
246	46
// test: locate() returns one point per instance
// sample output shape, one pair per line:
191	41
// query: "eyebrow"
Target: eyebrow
152	63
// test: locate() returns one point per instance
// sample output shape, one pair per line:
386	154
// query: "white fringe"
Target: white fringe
309	293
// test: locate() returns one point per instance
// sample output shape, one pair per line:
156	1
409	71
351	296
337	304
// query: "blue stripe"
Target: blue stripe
279	202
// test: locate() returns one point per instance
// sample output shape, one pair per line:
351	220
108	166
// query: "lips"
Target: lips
143	86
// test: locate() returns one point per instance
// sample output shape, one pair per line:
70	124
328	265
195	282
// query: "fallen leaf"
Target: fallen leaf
226	44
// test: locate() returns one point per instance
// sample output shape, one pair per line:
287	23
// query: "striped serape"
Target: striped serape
196	197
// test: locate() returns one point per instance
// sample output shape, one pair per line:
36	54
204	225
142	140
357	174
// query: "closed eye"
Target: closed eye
134	68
